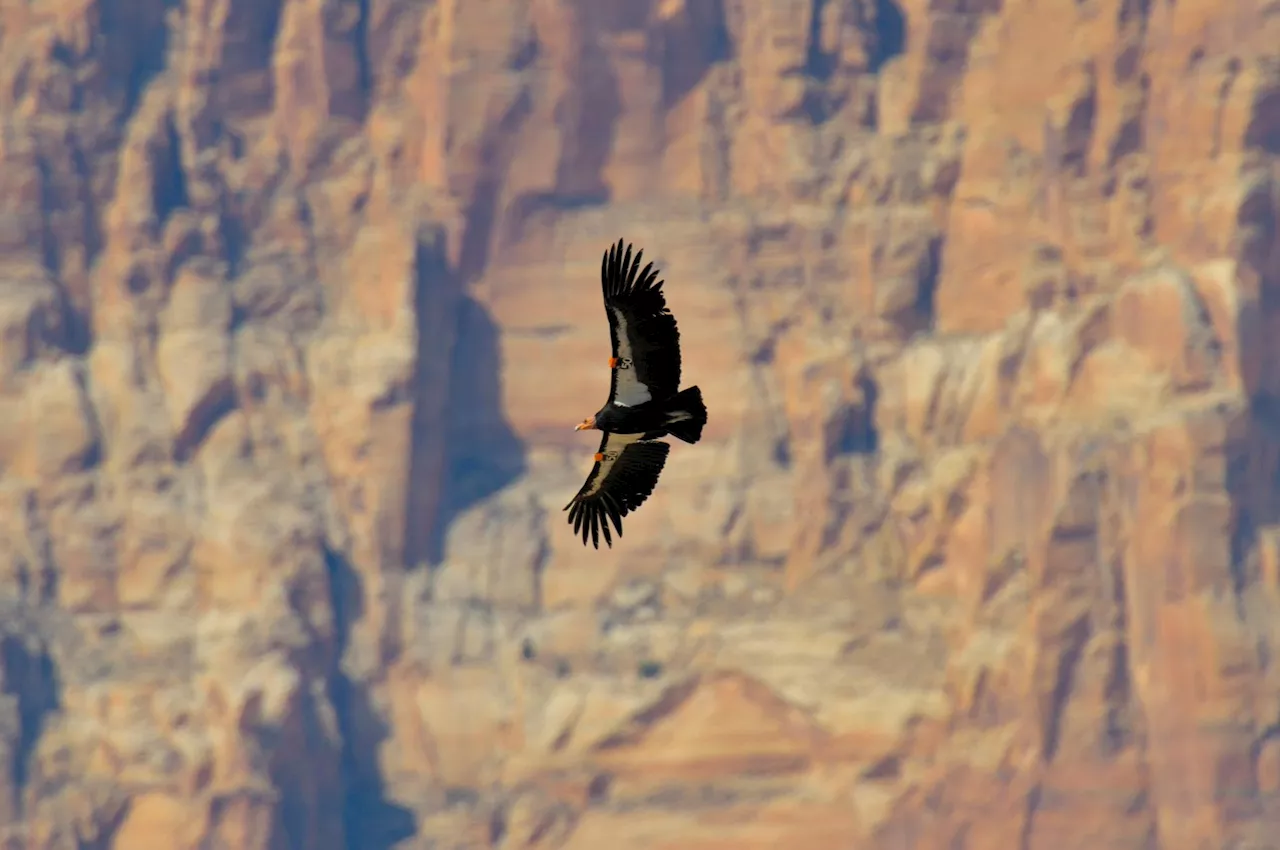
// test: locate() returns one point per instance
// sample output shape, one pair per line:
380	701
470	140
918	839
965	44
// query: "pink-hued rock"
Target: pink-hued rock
300	300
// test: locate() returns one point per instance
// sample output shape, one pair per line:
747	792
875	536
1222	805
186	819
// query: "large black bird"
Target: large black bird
643	404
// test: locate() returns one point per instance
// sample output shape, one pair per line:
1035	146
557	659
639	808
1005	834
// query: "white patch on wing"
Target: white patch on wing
612	451
679	417
630	391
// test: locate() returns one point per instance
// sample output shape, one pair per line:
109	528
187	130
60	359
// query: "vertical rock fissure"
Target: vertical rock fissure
364	66
483	207
79	335
593	117
169	180
435	297
819	64
49	205
1075	637
370	821
858	434
27	675
149	31
927	275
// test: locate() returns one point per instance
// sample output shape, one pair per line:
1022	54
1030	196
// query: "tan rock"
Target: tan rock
298	303
61	433
721	725
28	319
193	358
155	821
1162	316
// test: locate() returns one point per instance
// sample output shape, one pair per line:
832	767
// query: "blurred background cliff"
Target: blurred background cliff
299	301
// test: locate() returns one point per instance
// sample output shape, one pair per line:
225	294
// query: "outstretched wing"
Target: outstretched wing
623	477
646	343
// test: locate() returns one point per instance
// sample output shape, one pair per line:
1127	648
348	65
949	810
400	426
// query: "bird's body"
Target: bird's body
654	419
645	403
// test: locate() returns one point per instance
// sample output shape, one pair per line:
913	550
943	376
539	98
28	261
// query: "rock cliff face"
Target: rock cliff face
298	301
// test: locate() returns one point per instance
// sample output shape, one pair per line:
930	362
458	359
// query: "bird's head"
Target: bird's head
588	424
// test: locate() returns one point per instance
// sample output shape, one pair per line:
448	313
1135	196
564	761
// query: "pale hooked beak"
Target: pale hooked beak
585	424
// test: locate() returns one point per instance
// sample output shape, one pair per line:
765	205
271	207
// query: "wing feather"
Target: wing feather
618	484
642	331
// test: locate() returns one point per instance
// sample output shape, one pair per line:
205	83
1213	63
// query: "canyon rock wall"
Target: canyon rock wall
298	303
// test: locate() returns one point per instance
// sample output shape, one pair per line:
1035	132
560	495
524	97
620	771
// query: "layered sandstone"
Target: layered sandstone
981	548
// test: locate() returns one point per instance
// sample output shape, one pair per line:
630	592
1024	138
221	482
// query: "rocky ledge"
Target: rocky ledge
298	303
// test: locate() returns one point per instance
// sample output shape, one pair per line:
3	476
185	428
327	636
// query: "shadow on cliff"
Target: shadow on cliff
1255	459
690	45
482	453
28	677
890	34
128	52
370	820
884	37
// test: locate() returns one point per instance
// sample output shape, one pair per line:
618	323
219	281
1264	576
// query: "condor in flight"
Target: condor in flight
643	404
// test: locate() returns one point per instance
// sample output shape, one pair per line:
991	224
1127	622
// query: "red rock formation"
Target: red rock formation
298	300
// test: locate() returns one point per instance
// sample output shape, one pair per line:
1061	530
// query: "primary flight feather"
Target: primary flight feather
645	401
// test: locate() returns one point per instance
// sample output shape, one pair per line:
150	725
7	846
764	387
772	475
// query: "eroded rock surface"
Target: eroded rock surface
981	548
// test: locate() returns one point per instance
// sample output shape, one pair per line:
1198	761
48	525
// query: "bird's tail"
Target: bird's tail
687	415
